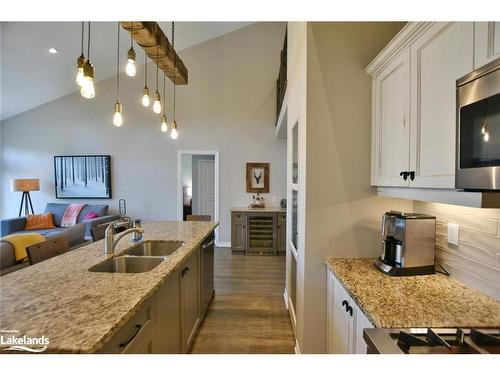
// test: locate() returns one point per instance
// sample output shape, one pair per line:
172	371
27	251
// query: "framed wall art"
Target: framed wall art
82	176
257	177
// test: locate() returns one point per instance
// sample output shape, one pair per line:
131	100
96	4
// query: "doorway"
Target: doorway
198	185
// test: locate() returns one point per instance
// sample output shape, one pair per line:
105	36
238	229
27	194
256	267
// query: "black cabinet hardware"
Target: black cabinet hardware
137	329
184	271
349	310
405	175
412	175
346	304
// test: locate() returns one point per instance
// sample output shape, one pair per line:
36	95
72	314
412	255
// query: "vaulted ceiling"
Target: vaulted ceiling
31	76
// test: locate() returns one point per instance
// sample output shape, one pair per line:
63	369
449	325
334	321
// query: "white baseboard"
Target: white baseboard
297	347
223	244
285	296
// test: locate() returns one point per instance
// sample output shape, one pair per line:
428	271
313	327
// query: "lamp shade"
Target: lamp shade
25	184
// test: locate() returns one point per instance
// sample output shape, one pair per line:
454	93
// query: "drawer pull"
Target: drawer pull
137	329
345	303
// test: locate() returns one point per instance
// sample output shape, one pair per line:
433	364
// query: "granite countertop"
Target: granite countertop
265	209
78	310
413	301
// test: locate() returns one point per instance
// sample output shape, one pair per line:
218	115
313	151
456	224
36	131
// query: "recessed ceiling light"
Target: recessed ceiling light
52	51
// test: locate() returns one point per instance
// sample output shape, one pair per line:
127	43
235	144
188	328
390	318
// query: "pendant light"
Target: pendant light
80	63
88	90
173	133
145	96
130	68
117	118
164	125
157	103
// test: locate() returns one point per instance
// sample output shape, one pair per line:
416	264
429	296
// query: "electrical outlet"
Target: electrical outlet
453	234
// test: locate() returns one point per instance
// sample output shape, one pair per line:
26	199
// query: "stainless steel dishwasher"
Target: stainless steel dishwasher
207	270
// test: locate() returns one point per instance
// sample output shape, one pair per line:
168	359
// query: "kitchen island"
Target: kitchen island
80	311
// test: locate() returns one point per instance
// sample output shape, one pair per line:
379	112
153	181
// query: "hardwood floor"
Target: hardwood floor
248	314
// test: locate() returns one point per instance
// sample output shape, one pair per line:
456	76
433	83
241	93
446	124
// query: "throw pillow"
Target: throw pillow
43	221
90	215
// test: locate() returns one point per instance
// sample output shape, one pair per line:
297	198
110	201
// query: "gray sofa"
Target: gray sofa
16	225
76	235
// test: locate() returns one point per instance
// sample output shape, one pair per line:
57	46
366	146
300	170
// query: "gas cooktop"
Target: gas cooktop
432	341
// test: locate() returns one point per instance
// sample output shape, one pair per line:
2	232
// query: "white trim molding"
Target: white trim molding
402	40
180	199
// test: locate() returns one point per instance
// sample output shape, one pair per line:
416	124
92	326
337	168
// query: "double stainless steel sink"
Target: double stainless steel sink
142	257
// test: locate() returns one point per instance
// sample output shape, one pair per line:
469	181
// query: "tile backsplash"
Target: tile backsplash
476	259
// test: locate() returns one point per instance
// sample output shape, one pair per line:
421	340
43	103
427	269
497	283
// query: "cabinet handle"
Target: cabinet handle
349	309
137	329
184	271
346	304
208	244
412	175
405	175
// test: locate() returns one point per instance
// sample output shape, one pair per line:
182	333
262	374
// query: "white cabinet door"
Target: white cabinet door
390	133
439	57
342	322
330	310
360	323
486	42
345	331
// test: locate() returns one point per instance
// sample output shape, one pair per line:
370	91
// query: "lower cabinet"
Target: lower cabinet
168	321
137	335
345	321
254	232
168	316
190	300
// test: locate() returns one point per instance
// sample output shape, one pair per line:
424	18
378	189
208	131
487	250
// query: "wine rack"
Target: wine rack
261	233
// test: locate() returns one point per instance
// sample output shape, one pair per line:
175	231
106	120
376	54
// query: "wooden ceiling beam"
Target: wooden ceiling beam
148	35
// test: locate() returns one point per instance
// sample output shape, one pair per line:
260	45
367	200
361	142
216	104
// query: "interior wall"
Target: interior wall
1	127
343	213
475	261
228	106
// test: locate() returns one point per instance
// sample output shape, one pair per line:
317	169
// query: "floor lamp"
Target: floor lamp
25	185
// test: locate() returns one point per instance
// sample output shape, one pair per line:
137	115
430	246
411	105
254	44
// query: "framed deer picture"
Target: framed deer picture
257	177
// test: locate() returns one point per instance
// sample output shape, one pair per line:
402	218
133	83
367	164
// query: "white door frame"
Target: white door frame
180	198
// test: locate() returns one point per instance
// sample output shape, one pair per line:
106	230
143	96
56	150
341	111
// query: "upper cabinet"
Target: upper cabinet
413	114
391	130
441	55
486	42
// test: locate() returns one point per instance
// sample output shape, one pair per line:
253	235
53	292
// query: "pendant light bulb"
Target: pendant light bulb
164	125
157	103
88	90
79	75
130	69
145	97
174	134
117	117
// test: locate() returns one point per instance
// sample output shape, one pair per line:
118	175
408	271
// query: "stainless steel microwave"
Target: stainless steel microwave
478	129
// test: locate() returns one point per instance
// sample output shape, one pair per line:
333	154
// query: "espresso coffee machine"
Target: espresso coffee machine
408	242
